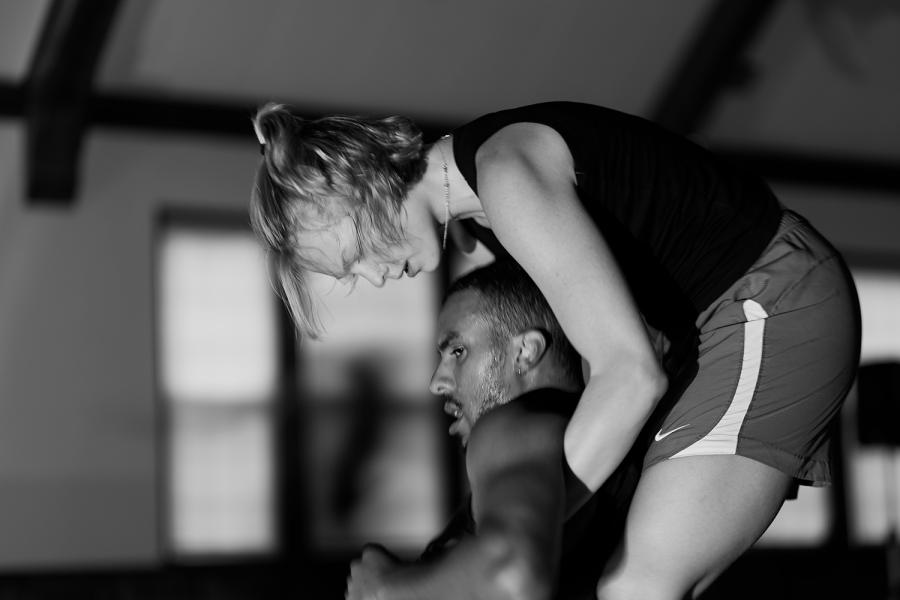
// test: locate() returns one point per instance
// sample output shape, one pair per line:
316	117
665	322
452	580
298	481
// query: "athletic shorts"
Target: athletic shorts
778	352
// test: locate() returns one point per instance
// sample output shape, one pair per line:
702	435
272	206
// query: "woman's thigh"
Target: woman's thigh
778	352
690	518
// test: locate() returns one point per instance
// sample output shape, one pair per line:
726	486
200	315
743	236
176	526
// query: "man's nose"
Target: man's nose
440	384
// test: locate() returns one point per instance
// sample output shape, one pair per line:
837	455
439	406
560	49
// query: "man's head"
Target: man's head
497	339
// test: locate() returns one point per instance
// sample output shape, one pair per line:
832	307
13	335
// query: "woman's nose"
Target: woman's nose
371	273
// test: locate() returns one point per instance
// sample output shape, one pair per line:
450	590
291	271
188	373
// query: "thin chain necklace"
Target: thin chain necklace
446	190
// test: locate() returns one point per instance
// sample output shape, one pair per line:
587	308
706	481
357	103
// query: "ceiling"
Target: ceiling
808	89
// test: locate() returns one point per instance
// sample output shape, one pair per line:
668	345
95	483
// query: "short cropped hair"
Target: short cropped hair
511	303
315	172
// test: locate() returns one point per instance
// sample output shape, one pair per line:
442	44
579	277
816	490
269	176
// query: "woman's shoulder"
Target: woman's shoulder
527	152
540	129
521	138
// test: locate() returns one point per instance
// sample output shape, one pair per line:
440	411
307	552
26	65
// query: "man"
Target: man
510	379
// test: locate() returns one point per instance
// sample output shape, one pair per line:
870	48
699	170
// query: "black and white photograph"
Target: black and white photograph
449	299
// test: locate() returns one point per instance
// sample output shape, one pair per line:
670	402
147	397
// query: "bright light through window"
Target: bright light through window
219	323
874	471
879	298
392	327
217	320
222	481
375	441
804	521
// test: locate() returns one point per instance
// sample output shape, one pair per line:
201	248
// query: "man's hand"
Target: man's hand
368	571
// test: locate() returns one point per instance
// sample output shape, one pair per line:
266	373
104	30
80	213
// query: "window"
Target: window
873	472
218	376
375	439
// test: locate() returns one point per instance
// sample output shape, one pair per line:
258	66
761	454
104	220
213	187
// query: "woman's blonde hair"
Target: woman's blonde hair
315	172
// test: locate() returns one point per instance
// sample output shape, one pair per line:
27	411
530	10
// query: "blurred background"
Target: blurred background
163	434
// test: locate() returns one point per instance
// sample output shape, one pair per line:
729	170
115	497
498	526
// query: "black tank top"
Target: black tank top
682	223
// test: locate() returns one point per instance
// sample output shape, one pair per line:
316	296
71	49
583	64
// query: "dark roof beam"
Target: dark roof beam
209	117
713	61
58	91
817	170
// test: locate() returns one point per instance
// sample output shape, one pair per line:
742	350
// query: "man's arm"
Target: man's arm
514	464
460	526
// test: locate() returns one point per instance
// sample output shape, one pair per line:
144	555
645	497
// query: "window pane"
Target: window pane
221	481
879	299
217	331
391	327
375	476
873	472
374	445
805	521
218	364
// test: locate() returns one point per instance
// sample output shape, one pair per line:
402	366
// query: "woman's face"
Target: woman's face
335	251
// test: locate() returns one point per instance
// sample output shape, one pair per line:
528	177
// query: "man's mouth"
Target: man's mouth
454	410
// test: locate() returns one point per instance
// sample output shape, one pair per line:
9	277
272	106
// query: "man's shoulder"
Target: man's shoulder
538	406
547	400
528	427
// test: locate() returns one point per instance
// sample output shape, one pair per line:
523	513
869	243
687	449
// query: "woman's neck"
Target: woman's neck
464	203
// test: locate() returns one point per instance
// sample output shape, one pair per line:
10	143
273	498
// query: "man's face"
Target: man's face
471	376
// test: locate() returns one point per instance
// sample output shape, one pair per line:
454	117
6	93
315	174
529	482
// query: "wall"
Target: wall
79	461
863	225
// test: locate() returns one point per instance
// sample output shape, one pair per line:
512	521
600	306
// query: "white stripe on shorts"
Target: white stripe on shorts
723	438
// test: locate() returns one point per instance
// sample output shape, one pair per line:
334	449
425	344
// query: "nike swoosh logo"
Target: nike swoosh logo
661	436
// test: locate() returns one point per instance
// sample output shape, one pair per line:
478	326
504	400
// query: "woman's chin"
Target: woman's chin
431	264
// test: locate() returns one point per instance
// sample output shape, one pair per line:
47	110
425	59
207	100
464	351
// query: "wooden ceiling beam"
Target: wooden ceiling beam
57	92
712	62
817	170
197	115
232	121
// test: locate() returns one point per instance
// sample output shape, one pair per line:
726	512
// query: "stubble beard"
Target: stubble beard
492	389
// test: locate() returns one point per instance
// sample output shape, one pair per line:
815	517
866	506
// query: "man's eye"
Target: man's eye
457	352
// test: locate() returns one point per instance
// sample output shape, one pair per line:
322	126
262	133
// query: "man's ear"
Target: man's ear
531	347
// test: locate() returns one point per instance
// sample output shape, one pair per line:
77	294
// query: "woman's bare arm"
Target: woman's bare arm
526	184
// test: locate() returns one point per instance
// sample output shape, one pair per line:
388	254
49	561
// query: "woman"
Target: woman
613	218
